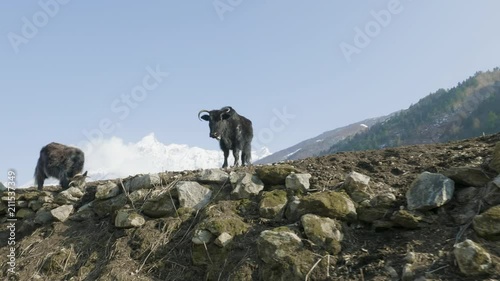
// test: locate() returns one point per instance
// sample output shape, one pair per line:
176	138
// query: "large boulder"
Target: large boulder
472	259
272	205
192	194
331	204
487	224
429	191
245	185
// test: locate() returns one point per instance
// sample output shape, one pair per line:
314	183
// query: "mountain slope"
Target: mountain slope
470	109
314	146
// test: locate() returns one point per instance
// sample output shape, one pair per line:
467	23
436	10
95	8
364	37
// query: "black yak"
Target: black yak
62	162
233	131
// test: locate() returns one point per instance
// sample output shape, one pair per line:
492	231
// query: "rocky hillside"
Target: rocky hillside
315	146
422	212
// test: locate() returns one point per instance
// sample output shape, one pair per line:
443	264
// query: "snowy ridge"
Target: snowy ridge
112	158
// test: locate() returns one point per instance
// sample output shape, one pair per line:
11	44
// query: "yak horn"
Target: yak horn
227	109
201	111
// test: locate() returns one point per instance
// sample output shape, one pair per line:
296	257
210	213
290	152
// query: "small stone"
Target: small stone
472	259
223	240
24	213
128	219
202	236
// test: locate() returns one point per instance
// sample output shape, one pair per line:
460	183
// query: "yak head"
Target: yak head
217	120
78	180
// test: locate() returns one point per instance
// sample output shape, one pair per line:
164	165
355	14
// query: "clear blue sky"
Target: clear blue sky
69	74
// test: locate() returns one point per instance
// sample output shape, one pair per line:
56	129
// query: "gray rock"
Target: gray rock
408	273
159	204
24	213
292	209
142	182
487	224
65	198
275	245
298	182
382	224
21	204
202	236
491	195
213	176
75	192
472	259
107	207
192	194
429	191
47	198
62	213
272	205
43	216
496	181
386	199
331	204
245	185
128	219
495	160
468	176
371	214
274	174
466	194
324	232
358	187
223	239
406	219
107	190
138	195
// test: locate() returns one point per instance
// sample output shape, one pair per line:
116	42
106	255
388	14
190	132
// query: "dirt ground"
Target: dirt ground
161	249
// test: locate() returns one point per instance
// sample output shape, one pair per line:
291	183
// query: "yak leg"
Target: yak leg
236	154
246	155
226	155
40	179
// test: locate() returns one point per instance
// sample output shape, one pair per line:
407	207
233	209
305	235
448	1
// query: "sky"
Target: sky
89	73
